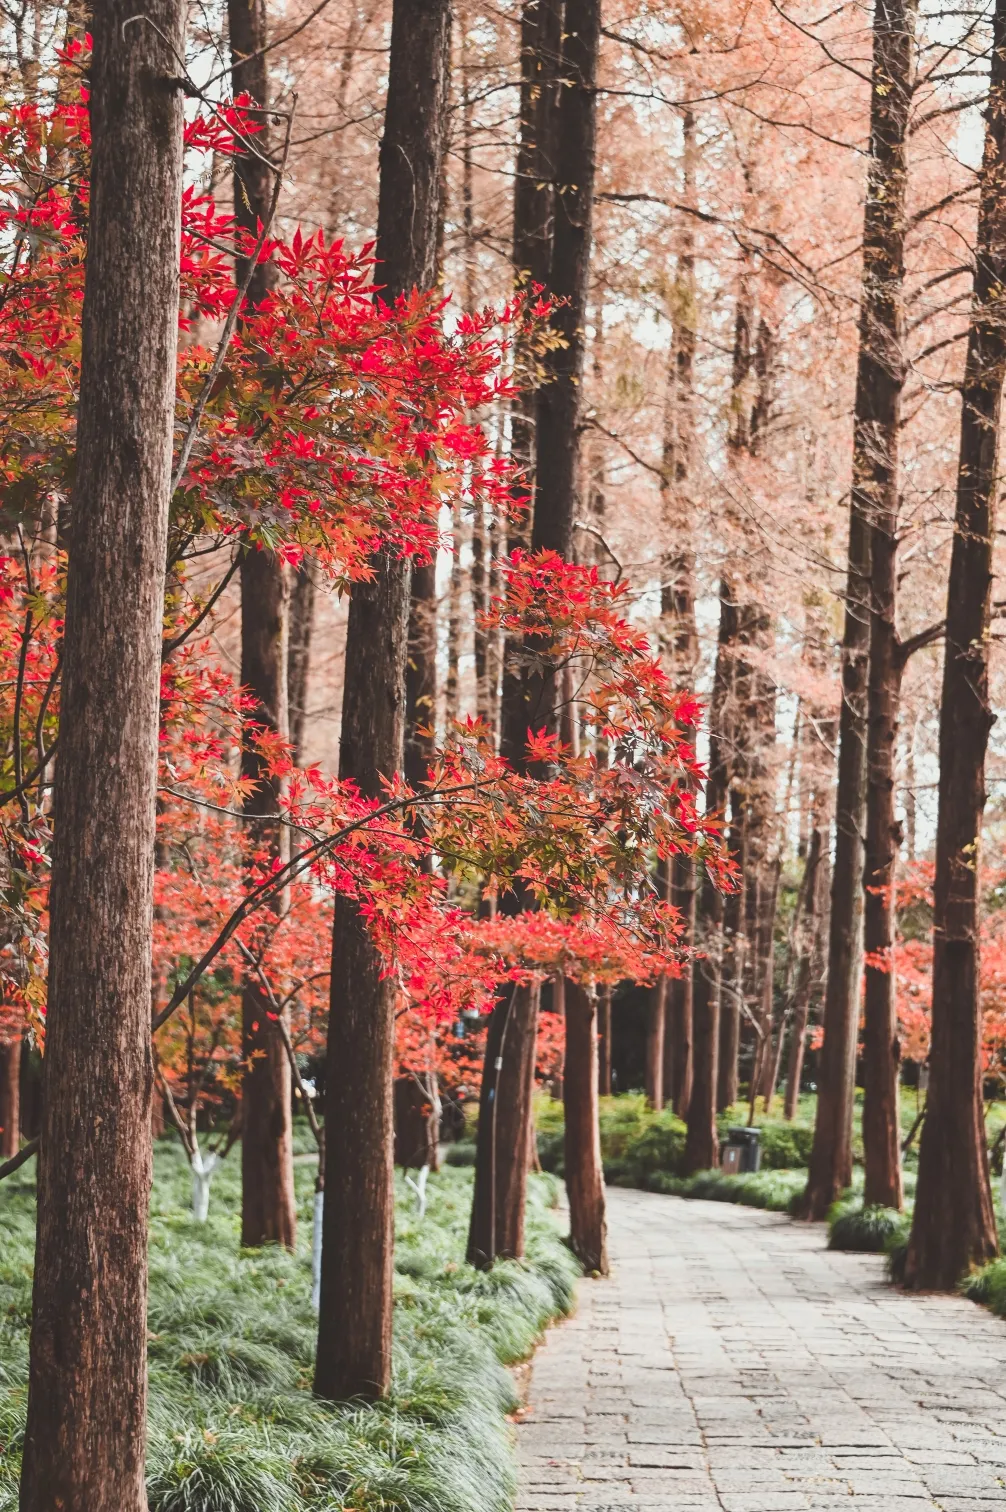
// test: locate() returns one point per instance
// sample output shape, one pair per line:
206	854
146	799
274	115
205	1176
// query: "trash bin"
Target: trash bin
742	1152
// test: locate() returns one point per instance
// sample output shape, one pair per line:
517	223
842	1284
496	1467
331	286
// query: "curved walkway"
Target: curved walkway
733	1364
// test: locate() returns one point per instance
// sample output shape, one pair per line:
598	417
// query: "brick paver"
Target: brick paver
733	1364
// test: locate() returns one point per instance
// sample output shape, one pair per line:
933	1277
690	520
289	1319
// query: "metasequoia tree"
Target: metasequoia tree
954	1226
268	1207
868	607
10	1095
497	1226
354	1327
84	1441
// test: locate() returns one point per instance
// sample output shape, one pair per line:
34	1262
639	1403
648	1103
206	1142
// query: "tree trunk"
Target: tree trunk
354	1324
421	674
702	1151
298	661
529	699
87	1394
732	989
954	1223
268	1207
10	1098
496	1230
584	1175
604	1040
874	492
655	1015
804	984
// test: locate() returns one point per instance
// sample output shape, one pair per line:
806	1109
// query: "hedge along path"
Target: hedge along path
733	1364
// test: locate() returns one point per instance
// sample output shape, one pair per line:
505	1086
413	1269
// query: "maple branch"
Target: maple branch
230	325
282	878
21	1158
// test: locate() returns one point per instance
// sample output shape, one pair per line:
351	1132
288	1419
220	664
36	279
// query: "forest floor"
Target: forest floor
733	1364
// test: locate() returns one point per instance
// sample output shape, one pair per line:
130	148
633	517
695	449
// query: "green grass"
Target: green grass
774	1191
233	1424
868	1230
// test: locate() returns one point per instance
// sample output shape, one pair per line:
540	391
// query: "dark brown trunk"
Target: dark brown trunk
421	674
496	1230
10	1098
298	661
702	1151
354	1325
655	1016
874	491
268	1207
954	1223
529	699
584	1175
680	990
732	987
86	1429
766	979
807	936
604	1040
268	1204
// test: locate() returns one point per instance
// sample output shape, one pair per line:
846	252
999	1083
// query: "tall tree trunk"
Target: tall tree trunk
804	982
10	1097
268	1206
874	492
528	700
502	1154
701	1141
421	674
354	1324
678	588
584	1175
656	1013
298	660
87	1393
732	987
604	1040
954	1223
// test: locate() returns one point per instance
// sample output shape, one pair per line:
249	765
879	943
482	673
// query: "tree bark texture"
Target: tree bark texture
298	659
584	1174
604	1040
895	46
421	674
10	1098
85	1435
874	492
702	1151
268	1208
808	937
954	1224
496	1230
732	969
559	398
656	1013
354	1325
529	697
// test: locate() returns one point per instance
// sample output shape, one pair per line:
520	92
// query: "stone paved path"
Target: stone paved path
732	1364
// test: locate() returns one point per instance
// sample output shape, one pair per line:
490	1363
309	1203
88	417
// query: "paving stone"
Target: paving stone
733	1364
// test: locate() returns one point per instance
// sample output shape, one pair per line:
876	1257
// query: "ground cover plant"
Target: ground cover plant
233	1424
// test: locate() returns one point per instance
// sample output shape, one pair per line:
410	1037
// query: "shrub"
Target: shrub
867	1230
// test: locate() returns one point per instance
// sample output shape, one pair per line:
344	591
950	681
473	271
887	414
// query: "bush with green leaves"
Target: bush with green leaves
233	1424
867	1230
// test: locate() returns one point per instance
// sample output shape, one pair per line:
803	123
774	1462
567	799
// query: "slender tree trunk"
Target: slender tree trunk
10	1098
354	1325
298	661
655	1016
702	1150
604	1040
421	674
85	1436
268	1207
954	1223
874	492
804	983
584	1175
728	1089
530	700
